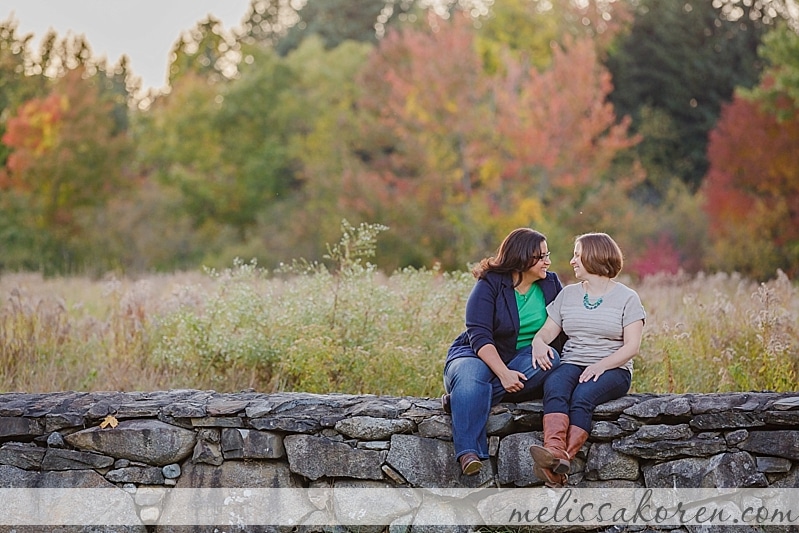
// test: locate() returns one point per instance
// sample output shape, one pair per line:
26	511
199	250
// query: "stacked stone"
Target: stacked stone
190	439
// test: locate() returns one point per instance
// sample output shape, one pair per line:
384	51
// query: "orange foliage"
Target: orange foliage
33	131
753	181
559	122
464	153
753	158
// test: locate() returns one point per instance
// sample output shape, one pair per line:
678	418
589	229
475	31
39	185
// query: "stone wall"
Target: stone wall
187	438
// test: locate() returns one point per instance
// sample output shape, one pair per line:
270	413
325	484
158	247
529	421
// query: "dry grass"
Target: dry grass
358	332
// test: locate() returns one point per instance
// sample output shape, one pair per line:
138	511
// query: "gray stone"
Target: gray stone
251	444
23	456
782	418
437	427
217	421
499	424
12	427
669	449
148	475
772	465
55	440
380	445
785	404
717	403
222	407
605	430
726	420
207	451
11	476
788	481
379	407
431	463
667	404
514	462
493	445
657	432
727	470
348	510
212	435
171	471
606	463
287	424
149	441
315	457
61	459
371	428
253	474
614	408
58	421
102	510
734	438
680	473
781	443
735	469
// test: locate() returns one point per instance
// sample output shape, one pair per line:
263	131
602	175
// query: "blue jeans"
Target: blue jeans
474	389
563	393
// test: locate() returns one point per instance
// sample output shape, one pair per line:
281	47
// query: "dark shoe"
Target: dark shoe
445	404
470	464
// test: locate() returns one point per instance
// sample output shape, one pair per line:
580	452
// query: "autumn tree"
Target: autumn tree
752	188
68	155
752	191
431	133
464	156
15	86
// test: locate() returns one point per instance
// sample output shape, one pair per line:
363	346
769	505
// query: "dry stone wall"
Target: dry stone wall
191	438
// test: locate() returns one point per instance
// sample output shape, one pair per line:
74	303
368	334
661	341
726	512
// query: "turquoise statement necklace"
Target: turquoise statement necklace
588	304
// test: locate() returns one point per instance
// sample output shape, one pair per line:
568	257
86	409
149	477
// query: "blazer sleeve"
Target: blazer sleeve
479	314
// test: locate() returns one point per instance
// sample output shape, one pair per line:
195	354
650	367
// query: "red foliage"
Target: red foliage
754	172
659	256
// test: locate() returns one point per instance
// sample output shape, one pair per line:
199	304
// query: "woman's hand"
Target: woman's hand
542	356
512	380
592	372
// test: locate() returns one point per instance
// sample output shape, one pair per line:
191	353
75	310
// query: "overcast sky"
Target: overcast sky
144	30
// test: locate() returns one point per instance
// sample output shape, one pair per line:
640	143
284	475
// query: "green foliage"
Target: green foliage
683	60
205	51
352	330
779	88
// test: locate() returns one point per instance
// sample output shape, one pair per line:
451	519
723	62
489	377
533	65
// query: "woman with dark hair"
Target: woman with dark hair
604	322
493	356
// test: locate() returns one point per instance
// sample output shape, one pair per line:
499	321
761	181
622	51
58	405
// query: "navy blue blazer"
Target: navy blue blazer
492	316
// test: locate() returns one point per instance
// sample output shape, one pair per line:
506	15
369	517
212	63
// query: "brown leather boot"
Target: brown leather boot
575	438
552	454
550	478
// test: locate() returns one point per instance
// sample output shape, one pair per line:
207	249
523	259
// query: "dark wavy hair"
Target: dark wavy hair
600	254
520	250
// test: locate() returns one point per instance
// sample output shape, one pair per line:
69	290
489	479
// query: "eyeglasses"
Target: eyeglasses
543	257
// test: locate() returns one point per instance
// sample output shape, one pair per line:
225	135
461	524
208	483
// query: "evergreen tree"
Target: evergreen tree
679	63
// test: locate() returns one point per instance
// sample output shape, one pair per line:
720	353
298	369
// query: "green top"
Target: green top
532	314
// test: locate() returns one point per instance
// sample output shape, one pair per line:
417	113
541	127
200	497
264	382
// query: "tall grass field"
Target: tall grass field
352	329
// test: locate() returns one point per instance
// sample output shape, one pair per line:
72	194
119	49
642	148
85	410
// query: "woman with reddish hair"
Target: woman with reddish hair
604	321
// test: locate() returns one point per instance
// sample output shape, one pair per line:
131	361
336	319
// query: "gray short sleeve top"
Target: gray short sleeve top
595	333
